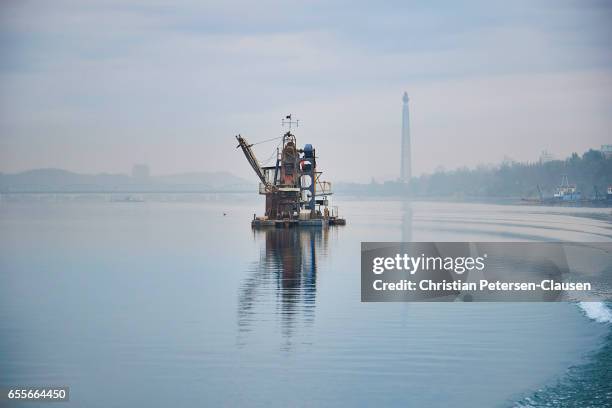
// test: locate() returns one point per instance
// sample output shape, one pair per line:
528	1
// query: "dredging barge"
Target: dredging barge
295	194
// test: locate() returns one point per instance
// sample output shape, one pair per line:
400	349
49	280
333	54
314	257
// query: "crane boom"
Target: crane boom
250	156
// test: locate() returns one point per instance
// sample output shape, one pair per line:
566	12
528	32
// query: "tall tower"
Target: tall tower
406	170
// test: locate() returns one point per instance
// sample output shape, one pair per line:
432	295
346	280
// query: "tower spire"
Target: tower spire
406	160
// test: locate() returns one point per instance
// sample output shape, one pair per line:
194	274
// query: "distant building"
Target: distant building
140	172
546	157
607	150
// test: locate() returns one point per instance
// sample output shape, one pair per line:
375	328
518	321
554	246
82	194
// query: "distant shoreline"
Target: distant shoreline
123	192
363	197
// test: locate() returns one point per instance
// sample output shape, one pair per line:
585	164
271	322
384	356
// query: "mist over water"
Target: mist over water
169	302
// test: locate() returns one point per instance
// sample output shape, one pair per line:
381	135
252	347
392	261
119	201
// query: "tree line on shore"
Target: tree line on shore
591	173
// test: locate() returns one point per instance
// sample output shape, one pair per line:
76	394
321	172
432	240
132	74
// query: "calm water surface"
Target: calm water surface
170	303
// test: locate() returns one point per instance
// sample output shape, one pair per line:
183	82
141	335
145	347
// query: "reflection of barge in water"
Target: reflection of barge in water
284	278
295	193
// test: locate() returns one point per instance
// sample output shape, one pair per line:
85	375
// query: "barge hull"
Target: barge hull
316	223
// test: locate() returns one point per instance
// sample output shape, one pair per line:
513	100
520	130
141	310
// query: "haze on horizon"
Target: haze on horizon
100	85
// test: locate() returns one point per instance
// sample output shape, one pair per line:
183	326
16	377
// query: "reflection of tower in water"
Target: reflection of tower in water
406	224
283	282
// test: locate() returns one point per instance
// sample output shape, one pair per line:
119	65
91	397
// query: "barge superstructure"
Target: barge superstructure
295	193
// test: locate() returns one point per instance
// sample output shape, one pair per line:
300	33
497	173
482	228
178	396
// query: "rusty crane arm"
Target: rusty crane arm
250	156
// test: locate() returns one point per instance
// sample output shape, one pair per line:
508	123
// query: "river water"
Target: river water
169	302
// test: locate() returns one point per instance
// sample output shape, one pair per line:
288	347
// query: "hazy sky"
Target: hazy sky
94	86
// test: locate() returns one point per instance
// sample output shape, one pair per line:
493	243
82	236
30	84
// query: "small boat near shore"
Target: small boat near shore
567	194
127	199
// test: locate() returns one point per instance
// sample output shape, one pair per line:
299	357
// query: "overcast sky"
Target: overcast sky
93	86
